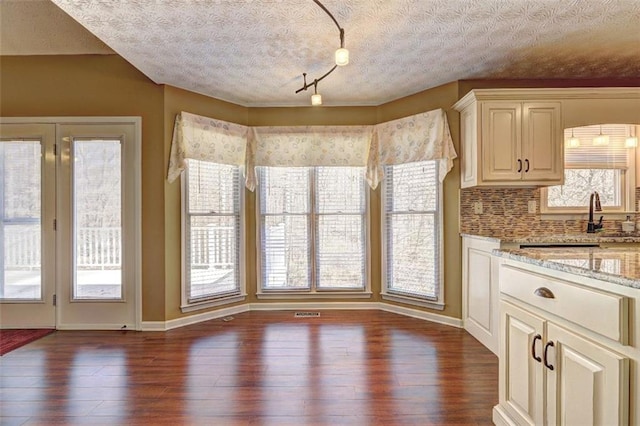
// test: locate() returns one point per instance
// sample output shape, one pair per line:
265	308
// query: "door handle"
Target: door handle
533	347
519	165
526	162
546	350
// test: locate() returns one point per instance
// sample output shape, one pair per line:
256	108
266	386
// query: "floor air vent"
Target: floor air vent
306	314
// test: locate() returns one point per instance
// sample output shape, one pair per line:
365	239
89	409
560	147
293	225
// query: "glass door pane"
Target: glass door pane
97	219
20	230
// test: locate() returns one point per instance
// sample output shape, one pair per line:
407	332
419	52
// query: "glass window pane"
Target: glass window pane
213	256
97	213
340	251
285	252
413	262
580	183
212	188
284	190
21	220
412	186
340	190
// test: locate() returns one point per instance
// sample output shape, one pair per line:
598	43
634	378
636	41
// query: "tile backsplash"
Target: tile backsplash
505	214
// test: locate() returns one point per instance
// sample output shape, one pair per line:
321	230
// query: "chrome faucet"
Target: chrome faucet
591	225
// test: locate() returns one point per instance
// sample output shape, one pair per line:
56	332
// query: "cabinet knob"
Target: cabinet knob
544	292
519	165
546	350
533	348
526	162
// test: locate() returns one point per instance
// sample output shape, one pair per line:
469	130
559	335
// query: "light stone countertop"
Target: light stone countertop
616	265
584	238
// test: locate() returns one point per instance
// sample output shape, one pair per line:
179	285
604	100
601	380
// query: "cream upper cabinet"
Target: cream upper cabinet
512	141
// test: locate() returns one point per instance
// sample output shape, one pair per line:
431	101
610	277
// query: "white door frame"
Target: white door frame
137	123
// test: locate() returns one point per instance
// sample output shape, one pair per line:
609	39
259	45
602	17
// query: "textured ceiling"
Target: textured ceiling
253	52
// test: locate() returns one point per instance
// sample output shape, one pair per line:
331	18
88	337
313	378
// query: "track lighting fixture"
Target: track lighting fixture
341	59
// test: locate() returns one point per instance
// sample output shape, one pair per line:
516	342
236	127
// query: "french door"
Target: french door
71	260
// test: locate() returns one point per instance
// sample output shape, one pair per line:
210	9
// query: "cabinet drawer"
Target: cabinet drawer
602	312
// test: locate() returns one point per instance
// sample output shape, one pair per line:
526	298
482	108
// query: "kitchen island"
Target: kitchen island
569	335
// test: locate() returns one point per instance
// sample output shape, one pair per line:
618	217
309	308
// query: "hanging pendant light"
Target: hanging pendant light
573	142
601	140
631	141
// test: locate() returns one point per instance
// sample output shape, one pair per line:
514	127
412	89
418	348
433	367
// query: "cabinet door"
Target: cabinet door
501	138
589	384
521	375
542	142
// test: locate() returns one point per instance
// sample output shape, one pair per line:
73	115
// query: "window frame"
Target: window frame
388	293
627	182
313	292
238	295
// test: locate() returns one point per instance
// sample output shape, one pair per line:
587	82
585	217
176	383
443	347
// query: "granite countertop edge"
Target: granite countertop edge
576	270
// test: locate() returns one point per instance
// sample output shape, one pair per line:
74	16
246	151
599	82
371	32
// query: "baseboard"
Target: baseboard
303	306
105	327
193	319
500	418
423	315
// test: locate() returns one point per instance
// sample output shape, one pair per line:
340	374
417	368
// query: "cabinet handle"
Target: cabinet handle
533	348
544	292
526	161
546	349
519	165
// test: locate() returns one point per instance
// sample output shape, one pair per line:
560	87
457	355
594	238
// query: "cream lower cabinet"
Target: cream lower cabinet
552	376
565	356
588	384
480	314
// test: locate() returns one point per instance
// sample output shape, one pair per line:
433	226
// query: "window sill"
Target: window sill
213	303
585	216
318	295
413	301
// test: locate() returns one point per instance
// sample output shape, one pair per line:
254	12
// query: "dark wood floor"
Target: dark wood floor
261	368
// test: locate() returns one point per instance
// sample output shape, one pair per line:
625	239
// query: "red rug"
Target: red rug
13	339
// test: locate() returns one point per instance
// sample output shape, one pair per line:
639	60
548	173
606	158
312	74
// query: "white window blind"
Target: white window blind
312	228
412	230
340	227
212	228
590	156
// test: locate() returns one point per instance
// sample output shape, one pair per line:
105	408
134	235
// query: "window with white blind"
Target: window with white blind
411	232
312	229
596	159
211	234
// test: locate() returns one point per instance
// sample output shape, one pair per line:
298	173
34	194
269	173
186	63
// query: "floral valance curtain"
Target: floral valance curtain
206	139
417	138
